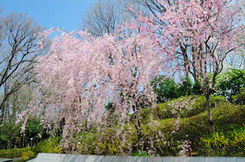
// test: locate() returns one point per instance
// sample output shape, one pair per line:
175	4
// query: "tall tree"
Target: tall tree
100	70
103	17
204	33
19	41
107	16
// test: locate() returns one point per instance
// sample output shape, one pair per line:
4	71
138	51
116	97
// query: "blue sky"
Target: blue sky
65	14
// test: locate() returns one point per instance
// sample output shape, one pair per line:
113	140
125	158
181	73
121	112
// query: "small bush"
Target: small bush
230	83
109	141
216	100
239	98
157	137
10	136
231	143
164	88
13	153
48	146
140	154
165	110
28	155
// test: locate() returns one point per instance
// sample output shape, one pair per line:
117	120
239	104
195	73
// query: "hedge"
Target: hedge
13	153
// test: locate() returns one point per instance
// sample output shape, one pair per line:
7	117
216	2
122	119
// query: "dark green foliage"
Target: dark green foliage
196	89
140	154
165	89
185	88
230	83
32	130
239	98
11	137
110	107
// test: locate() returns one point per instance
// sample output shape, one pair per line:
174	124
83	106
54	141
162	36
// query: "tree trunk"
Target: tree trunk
2	108
138	126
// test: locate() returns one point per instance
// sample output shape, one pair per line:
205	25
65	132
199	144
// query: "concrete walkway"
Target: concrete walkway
5	159
44	157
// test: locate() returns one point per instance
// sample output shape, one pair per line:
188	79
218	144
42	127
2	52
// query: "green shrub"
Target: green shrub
164	88
229	143
216	100
239	98
140	154
185	88
48	146
194	127
88	140
165	110
146	114
33	129
196	90
28	155
198	125
226	113
229	83
13	153
106	142
11	137
158	135
3	141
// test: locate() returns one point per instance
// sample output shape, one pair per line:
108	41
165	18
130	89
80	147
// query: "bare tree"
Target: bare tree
237	60
103	17
17	59
18	101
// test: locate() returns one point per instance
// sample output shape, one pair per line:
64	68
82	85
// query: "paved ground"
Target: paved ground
5	159
43	157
